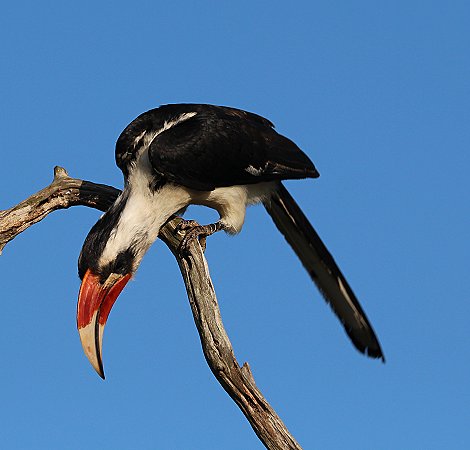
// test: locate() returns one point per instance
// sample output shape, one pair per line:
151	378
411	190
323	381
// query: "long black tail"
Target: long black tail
299	233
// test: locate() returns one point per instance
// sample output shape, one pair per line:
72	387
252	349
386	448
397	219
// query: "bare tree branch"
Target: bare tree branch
237	381
62	193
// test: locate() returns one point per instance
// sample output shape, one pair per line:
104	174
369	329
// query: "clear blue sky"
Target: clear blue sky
377	93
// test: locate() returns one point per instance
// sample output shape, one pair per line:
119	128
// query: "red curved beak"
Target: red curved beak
95	301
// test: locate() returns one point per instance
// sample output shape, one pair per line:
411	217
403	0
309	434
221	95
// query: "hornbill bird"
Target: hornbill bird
220	157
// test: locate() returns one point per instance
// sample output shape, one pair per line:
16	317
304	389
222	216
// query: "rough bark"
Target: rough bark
237	381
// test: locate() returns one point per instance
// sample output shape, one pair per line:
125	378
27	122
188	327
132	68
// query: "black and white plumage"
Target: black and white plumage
220	157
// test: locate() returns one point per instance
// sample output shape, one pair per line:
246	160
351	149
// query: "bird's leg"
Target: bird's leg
194	231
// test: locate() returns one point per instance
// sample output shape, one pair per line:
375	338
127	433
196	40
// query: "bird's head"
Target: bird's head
106	263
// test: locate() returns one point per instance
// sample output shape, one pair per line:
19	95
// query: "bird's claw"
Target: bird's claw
186	224
195	231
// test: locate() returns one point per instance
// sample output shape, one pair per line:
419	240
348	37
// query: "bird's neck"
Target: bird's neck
139	213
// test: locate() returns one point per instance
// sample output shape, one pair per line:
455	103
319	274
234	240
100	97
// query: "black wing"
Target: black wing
221	146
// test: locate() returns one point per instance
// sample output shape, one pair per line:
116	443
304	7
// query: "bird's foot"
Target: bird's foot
186	224
196	231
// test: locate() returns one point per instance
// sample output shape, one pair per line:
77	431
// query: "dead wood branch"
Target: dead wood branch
237	381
